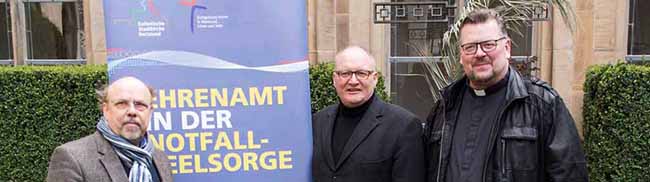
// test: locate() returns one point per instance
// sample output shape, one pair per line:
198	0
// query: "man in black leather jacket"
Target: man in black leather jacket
493	124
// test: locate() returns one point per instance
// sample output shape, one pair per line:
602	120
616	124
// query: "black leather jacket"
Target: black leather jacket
534	138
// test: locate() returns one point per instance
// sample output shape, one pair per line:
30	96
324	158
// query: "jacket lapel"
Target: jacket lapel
365	127
109	159
326	137
162	165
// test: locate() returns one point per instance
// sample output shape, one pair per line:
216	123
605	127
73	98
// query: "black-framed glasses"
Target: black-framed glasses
486	46
361	74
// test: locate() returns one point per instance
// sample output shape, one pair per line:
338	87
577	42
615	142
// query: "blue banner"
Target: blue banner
232	85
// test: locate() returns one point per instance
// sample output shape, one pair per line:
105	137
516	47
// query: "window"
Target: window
6	48
521	40
410	85
54	32
522	54
638	44
43	32
412	43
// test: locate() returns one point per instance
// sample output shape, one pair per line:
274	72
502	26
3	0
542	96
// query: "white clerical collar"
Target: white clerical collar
479	93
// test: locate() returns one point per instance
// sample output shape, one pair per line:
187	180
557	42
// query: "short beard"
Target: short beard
133	136
480	83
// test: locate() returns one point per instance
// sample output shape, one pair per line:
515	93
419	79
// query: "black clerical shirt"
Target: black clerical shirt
471	135
346	120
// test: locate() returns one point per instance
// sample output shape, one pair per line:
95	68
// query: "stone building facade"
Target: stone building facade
606	31
600	37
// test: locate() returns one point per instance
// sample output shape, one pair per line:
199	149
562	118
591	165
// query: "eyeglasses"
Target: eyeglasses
361	74
486	46
125	104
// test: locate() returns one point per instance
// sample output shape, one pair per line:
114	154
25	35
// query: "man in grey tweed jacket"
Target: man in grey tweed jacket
119	150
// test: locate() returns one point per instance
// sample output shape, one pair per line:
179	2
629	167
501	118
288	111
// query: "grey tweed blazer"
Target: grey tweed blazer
92	158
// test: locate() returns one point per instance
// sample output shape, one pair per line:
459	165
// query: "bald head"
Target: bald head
127	107
355	54
102	93
129	82
354	76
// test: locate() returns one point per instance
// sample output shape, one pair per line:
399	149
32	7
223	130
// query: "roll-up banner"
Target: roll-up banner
231	80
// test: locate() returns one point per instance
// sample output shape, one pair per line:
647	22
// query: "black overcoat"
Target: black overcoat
386	146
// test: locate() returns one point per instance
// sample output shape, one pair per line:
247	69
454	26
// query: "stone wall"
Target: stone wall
336	24
600	37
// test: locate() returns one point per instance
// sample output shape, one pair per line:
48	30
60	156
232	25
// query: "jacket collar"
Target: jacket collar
516	88
109	159
162	165
370	120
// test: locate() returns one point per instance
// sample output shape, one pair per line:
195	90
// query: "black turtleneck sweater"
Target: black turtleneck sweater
469	148
346	120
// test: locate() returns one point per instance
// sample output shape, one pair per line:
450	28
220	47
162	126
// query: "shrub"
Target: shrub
44	107
41	108
323	93
617	122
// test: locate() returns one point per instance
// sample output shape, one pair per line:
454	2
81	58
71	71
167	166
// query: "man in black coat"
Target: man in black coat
493	124
363	139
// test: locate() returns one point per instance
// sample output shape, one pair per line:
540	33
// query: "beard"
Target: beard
131	132
481	78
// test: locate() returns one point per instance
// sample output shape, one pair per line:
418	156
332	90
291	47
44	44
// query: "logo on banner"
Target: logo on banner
202	22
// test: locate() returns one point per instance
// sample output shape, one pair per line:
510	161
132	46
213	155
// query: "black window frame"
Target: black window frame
631	55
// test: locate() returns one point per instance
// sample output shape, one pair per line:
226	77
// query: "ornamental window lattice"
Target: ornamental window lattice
439	15
415	12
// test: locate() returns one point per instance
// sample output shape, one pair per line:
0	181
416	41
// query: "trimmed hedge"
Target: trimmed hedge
323	93
617	122
41	108
44	107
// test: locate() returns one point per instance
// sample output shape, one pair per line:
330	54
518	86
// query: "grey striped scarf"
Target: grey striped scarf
139	158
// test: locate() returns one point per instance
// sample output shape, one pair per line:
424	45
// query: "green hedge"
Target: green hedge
617	122
41	108
323	93
44	107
